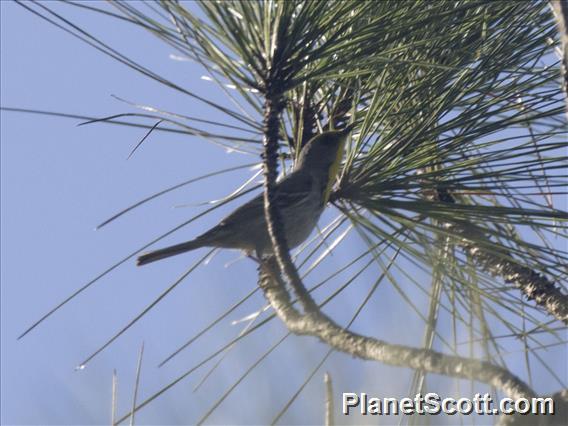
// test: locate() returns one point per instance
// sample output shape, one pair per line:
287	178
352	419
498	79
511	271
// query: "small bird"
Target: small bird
301	197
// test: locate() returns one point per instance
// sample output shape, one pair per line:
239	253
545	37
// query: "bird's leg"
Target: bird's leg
256	258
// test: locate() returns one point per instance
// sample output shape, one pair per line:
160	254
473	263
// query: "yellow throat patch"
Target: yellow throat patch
334	170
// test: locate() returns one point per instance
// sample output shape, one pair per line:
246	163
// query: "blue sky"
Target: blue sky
59	181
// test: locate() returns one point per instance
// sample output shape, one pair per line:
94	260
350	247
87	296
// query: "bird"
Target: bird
301	197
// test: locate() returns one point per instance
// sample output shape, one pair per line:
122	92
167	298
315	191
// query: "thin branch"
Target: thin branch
273	107
498	263
319	325
329	421
533	285
114	398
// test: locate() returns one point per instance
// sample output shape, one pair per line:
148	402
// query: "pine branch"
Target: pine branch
329	409
533	285
273	106
319	325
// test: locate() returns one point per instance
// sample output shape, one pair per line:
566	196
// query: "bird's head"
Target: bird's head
322	155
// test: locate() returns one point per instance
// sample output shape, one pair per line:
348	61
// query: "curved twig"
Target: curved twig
319	325
273	106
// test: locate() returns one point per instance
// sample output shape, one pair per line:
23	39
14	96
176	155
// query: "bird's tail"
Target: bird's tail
169	251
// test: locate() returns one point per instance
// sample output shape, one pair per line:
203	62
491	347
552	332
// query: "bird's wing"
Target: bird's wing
295	189
291	190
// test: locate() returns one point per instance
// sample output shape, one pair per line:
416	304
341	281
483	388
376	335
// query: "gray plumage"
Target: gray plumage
300	197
